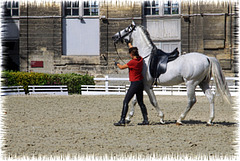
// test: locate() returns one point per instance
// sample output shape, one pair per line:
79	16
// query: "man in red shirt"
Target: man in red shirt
135	67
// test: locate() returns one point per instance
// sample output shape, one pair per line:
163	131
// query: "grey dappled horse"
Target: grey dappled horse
192	68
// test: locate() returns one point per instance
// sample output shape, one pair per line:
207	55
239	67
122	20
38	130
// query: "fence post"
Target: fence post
106	83
18	90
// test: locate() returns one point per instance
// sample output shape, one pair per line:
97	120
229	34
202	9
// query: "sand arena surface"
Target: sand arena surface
77	125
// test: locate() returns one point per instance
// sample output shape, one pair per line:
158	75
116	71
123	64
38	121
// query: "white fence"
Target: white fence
12	90
158	90
46	89
49	89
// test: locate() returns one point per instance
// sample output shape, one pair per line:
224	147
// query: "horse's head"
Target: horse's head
124	34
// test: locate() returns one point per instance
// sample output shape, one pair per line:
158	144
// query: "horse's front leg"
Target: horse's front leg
153	101
132	108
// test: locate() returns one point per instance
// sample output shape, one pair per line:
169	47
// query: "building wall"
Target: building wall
118	16
209	30
40	38
113	17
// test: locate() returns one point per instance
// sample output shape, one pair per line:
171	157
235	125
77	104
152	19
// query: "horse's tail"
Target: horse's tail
221	84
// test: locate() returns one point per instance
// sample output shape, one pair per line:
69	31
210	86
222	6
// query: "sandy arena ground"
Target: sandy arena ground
77	125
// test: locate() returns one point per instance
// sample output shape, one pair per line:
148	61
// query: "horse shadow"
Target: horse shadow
197	122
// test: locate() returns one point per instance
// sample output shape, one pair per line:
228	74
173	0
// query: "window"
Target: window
161	7
171	8
151	7
90	8
71	8
11	8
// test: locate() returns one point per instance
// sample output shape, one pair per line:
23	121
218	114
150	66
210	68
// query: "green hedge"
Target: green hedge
73	81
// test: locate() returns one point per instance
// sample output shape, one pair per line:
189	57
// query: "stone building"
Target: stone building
75	36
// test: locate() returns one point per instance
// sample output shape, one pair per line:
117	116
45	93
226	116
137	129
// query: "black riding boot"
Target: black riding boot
144	113
123	116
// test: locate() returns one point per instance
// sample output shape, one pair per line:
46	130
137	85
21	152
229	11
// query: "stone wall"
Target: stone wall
209	30
40	35
118	16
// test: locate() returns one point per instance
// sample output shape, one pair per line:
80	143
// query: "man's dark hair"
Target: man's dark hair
134	51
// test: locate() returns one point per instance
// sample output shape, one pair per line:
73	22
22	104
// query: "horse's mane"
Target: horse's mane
147	35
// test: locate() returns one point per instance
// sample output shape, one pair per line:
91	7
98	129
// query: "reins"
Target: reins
121	58
118	53
121	37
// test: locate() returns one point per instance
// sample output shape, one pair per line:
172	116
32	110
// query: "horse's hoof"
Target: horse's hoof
162	121
209	124
127	121
179	123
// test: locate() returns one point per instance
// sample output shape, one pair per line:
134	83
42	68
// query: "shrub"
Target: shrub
73	81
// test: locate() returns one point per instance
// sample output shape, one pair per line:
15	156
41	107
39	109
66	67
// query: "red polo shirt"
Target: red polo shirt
135	67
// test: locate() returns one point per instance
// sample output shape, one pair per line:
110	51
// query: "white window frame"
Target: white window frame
71	8
161	7
171	7
91	7
151	7
81	9
11	8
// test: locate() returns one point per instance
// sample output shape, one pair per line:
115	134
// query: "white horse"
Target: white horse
193	69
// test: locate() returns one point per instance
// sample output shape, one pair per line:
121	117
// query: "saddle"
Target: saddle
159	60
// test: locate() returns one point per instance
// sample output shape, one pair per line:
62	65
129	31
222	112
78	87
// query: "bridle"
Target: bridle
128	30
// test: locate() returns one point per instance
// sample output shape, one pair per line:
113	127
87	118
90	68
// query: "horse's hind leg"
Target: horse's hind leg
153	101
132	109
191	101
210	96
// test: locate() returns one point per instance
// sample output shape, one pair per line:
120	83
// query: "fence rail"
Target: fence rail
46	89
12	90
49	89
158	90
